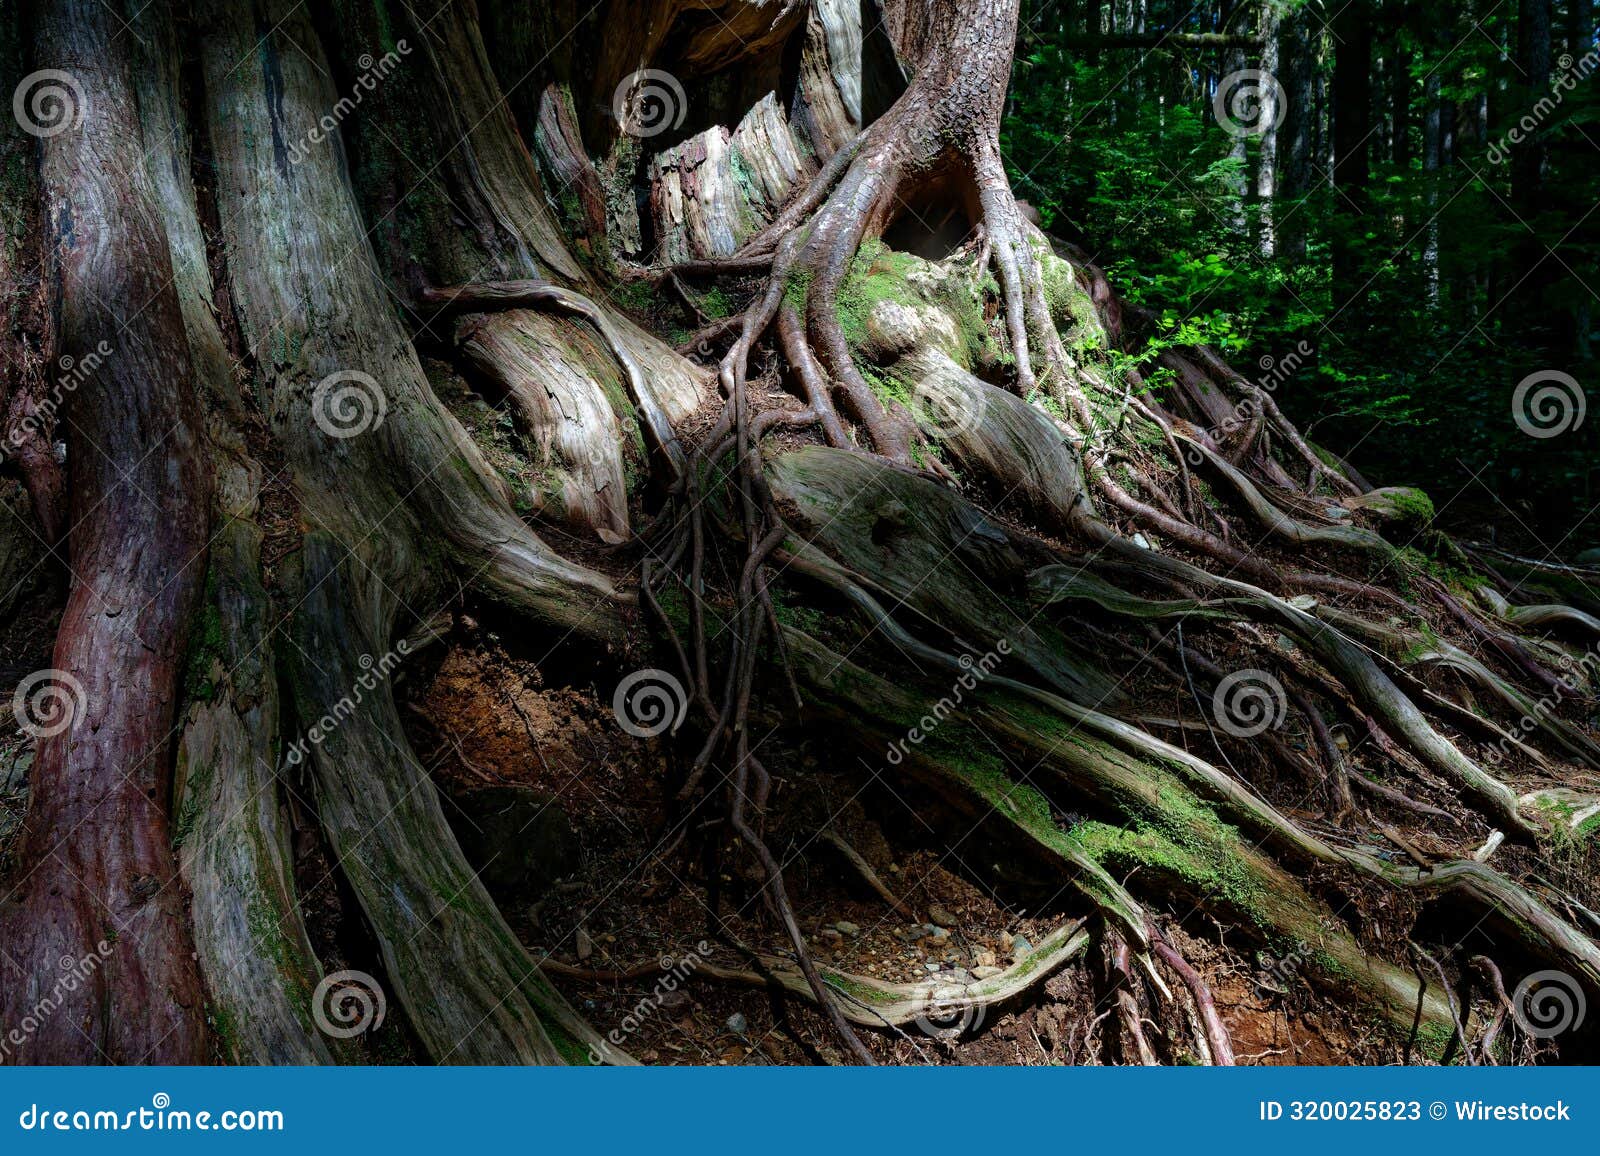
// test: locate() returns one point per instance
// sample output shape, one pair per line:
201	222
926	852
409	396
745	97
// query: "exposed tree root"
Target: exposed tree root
876	1003
864	869
470	989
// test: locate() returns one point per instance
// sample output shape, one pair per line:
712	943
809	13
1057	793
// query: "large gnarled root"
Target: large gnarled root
491	296
230	829
874	1003
570	424
390	506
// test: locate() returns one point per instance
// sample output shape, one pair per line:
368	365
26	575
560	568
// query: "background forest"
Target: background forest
1409	189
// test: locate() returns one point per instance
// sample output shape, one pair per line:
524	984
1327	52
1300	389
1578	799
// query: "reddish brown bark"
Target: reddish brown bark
98	866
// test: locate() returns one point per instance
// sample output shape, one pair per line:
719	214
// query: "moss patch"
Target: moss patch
877	274
206	643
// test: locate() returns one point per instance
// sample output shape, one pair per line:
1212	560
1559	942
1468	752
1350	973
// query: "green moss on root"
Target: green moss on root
877	274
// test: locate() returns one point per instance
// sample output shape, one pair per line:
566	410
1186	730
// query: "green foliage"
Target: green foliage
716	304
637	296
1121	153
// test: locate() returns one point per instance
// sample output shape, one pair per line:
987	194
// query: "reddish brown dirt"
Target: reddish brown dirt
482	717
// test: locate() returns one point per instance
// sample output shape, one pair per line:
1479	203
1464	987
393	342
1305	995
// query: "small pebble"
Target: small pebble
847	927
1020	947
585	946
942	916
737	1024
985	971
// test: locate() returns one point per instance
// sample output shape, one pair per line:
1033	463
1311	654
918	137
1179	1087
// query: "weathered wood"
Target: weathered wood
831	75
581	198
560	403
716	190
30	385
387	510
581	423
945	1006
229	827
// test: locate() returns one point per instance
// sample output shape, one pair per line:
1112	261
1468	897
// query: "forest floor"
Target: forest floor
617	897
572	823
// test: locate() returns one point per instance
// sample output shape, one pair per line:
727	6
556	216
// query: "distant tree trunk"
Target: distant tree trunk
1432	160
1324	122
1272	96
1399	101
1352	108
1533	58
1379	146
1580	27
1297	57
1530	272
1238	153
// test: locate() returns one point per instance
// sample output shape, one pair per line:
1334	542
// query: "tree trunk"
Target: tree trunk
1399	57
1434	129
1533	60
1297	53
99	878
1272	116
1352	132
1580	28
1531	271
